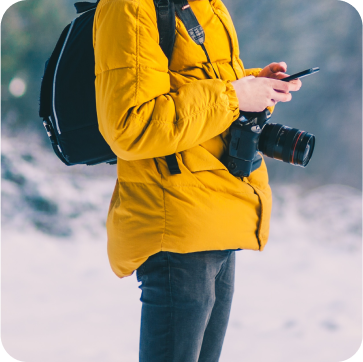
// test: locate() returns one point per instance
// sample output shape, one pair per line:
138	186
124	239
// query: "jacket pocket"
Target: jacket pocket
199	159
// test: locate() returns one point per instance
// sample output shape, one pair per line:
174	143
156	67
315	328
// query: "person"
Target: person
180	232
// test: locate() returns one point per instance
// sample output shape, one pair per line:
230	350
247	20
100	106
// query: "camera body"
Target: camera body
251	133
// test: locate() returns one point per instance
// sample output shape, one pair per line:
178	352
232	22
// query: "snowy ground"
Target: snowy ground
299	300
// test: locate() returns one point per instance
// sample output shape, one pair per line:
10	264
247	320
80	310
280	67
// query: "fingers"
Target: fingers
278	67
297	83
282	97
271	103
277	85
283	75
283	66
285	87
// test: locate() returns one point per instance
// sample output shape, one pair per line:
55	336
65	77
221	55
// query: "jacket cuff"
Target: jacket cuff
233	100
253	71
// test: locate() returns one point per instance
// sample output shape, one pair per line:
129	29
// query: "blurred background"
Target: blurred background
299	300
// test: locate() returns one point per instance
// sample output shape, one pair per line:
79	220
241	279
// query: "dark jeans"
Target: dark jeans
186	302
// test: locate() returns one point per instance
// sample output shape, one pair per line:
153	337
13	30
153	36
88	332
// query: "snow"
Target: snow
299	300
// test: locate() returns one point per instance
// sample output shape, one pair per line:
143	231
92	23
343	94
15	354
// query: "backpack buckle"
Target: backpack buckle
50	131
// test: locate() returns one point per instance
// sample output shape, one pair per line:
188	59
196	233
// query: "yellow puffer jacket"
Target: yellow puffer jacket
147	111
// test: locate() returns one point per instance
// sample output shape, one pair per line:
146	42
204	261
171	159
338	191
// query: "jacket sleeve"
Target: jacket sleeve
138	115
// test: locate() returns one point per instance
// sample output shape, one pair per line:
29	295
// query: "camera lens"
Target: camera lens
287	144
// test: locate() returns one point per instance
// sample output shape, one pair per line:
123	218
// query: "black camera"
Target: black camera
251	133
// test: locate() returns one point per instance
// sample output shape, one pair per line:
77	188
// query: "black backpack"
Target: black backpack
67	97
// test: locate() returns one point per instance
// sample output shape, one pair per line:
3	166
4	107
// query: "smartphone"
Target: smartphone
302	74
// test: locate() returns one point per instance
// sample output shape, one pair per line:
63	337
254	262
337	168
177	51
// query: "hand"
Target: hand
255	94
277	71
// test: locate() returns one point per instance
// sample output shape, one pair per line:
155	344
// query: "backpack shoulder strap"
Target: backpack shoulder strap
165	14
84	6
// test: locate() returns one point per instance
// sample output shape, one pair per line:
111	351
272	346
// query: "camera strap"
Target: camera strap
195	30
